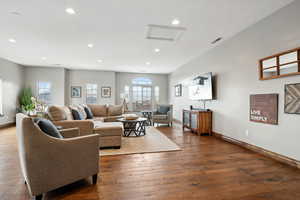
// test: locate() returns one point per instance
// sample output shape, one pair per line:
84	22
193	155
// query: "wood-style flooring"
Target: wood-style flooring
206	169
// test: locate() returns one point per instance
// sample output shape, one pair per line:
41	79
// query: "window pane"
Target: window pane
44	92
91	93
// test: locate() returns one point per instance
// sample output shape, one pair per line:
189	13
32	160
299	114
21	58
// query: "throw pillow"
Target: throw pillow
76	114
115	110
89	114
82	111
48	127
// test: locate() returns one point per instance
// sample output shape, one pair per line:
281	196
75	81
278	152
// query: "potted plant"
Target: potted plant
26	101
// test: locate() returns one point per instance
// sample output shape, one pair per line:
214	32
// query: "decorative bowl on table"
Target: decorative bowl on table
130	116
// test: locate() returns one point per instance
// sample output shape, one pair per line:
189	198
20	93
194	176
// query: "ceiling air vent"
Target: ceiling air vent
168	33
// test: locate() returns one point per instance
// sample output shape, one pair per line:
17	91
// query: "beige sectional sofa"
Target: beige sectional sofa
104	122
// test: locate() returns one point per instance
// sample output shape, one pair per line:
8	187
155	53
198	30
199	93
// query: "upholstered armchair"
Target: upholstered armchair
48	163
163	115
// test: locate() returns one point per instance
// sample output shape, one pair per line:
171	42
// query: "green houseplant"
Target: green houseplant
26	100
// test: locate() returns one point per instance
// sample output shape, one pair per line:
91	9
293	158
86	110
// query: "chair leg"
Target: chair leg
38	197
95	177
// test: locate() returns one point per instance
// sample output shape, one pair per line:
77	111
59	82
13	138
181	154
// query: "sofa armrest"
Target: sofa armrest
86	127
70	132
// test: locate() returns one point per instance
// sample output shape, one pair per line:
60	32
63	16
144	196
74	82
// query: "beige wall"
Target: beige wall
56	76
12	77
235	63
83	77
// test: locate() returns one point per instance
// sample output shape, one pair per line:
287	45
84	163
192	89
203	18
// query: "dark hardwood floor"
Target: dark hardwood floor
207	168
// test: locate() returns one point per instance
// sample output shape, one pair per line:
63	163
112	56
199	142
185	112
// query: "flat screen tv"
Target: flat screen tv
201	87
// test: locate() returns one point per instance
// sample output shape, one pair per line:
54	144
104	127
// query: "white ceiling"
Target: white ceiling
117	28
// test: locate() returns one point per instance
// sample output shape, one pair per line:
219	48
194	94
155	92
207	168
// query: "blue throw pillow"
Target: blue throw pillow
76	115
88	112
163	110
48	127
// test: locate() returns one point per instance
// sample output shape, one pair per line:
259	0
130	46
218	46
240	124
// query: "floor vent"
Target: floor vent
167	33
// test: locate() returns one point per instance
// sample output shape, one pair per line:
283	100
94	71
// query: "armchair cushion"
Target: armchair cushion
48	127
163	109
160	117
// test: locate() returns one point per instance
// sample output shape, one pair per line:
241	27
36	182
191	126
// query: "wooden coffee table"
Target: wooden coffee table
136	126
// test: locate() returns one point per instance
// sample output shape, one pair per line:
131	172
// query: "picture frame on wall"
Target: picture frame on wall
292	98
264	108
105	92
75	91
178	90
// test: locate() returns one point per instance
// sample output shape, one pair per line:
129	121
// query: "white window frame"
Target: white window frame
91	91
49	101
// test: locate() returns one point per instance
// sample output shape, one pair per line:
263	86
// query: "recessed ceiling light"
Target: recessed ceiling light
70	11
90	45
11	40
99	61
175	22
157	50
44	58
148	63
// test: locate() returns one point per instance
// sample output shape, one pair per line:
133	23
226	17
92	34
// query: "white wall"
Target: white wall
83	77
235	63
160	80
56	76
12	77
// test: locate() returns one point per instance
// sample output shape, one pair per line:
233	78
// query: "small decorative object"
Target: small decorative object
75	92
106	92
264	108
40	107
26	101
292	99
130	116
178	90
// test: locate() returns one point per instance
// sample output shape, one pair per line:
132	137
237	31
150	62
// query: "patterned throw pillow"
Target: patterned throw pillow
82	111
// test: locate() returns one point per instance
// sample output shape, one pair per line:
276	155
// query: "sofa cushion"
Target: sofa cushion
108	128
115	110
89	114
77	114
57	113
163	109
68	113
98	110
48	127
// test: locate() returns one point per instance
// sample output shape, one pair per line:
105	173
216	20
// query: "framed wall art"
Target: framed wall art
264	108
76	92
106	92
292	98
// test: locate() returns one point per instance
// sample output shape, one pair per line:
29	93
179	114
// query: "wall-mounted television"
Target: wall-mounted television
201	87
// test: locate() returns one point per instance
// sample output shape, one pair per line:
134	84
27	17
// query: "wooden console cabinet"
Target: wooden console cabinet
197	121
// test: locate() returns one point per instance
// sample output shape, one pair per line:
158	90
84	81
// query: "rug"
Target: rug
153	141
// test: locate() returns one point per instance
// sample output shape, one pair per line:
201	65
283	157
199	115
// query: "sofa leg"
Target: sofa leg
38	197
95	177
